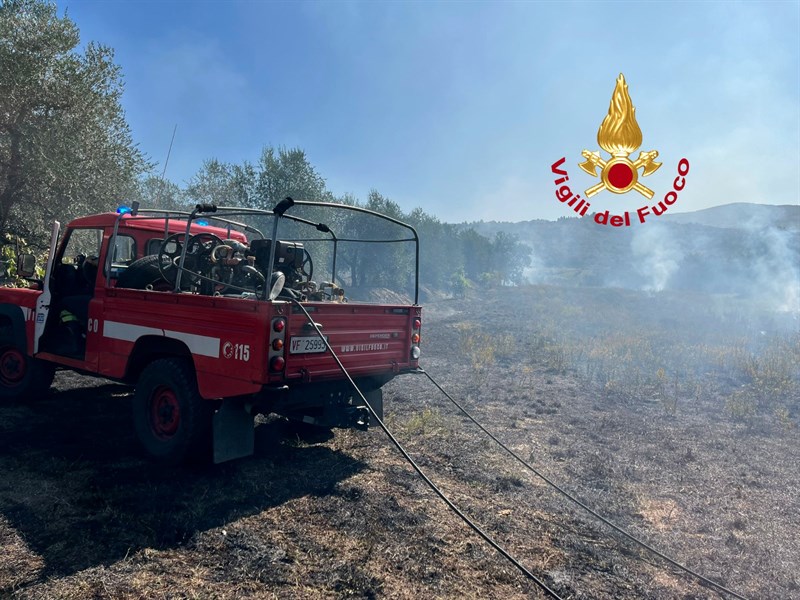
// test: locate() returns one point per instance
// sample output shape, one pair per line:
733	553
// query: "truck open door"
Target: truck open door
43	301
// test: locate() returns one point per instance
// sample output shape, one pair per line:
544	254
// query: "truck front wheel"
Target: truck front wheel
172	421
22	376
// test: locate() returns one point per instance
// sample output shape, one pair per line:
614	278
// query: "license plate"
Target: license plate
306	345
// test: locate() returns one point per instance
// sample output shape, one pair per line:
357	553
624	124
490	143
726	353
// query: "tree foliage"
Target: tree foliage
157	192
65	147
447	254
279	172
445	249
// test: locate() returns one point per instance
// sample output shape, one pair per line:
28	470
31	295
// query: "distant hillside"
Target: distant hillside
744	249
737	215
742	214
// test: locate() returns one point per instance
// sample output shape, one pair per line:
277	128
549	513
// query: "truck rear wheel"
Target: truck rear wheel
172	421
23	377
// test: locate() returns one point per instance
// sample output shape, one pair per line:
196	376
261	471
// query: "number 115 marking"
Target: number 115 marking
241	352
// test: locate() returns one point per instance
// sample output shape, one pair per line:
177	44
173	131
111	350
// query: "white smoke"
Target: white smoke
776	280
656	254
763	265
536	271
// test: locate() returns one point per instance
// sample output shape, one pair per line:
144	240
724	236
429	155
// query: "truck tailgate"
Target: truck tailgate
369	339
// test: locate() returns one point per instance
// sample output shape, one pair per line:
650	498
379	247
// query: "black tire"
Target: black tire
142	273
172	421
23	377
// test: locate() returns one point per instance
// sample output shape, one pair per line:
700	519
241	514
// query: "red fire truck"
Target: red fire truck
211	321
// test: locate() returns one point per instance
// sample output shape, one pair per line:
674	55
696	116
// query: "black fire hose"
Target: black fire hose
474	526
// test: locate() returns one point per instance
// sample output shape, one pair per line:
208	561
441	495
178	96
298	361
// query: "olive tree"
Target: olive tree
65	146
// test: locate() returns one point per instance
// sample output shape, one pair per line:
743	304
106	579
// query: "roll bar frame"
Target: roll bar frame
222	214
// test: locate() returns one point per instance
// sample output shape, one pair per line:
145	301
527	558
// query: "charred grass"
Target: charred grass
674	417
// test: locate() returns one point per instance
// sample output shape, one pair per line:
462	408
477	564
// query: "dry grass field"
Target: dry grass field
675	416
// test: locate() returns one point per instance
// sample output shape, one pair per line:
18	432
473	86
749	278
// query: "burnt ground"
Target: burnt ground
702	464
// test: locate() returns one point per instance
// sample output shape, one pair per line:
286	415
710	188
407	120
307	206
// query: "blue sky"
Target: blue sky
461	107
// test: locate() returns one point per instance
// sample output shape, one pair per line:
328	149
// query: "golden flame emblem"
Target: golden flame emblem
619	135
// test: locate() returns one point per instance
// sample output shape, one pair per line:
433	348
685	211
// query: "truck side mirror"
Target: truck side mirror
26	265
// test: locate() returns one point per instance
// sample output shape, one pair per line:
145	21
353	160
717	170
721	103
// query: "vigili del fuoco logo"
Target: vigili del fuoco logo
620	136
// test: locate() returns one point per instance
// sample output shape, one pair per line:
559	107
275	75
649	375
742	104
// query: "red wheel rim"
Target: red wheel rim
12	367
165	412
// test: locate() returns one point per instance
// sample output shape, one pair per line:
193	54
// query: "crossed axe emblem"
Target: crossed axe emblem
620	163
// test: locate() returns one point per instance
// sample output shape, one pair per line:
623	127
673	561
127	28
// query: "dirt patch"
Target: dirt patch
661	514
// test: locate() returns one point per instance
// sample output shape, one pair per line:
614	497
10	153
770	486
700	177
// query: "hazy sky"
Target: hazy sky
461	107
